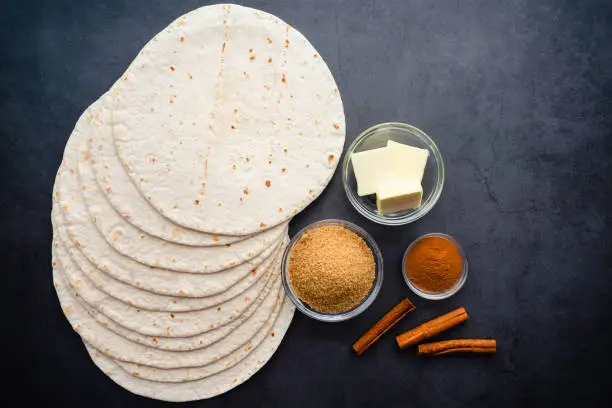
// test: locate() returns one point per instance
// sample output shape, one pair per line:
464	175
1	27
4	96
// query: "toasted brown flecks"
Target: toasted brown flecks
197	202
233	167
212	326
285	150
254	271
283	170
269	161
218	308
155	340
268	183
223	46
287	43
171	101
330	158
216	239
175	206
142	236
108	189
309	191
235	110
189	75
201	342
115	238
269	60
233	127
263	224
172	315
174	301
269	40
182	39
272	334
315	55
180	292
252	58
284	79
293	211
250	50
84	187
228	245
171	68
219	204
245	74
336	126
246	191
173	260
267	87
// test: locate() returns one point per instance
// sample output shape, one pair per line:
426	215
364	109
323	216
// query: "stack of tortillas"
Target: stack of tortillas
172	201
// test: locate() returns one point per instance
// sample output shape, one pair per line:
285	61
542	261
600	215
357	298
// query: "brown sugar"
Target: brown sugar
331	269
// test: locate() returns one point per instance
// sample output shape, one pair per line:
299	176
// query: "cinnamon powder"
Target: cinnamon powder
433	264
331	269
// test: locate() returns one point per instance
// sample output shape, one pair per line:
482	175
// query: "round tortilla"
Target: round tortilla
88	246
207	387
228	120
125	350
153	323
144	299
125	198
127	239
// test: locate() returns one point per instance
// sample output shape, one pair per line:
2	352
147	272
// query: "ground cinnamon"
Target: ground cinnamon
431	328
383	325
458	346
433	264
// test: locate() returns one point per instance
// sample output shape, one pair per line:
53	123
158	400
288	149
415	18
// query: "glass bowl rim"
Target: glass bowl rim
365	303
421	211
437	295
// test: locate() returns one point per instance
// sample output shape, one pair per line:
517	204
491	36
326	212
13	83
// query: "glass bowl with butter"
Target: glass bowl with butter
393	173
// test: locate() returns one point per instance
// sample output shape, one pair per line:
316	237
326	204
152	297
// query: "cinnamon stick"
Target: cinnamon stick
383	325
458	346
431	328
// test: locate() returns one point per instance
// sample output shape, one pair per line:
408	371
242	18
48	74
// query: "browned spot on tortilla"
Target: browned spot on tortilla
216	239
219	204
235	110
175	206
280	209
137	283
315	55
269	161
263	224
269	40
180	292
294	212
77	243
171	101
309	191
223	46
283	170
172	315
84	188
212	326
250	50
272	334
233	127
228	245
285	150
287	43
235	380
268	183
201	342
108	189
115	238
182	39
233	167
189	75
171	68
218	308
284	78
246	191
142	237
174	301
270	60
197	202
252	58
155	340
173	260
245	74
330	158
336	126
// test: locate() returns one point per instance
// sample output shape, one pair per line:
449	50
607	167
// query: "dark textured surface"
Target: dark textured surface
518	96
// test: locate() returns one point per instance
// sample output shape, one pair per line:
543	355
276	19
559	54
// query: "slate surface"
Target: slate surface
516	93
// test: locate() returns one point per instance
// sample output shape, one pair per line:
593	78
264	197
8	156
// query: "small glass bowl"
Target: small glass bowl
437	295
365	303
376	137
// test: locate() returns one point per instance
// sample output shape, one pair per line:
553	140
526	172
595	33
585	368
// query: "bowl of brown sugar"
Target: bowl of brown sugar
434	266
332	270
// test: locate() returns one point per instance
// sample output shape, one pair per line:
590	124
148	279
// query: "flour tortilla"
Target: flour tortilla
234	102
126	238
151	323
252	317
257	308
125	198
247	335
204	388
125	350
144	299
87	243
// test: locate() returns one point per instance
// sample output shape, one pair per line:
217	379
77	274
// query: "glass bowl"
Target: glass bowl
365	303
433	178
437	295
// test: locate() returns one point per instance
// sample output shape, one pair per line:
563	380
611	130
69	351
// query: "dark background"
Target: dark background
517	94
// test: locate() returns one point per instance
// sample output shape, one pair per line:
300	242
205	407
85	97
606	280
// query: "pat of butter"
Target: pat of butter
409	161
371	167
398	195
